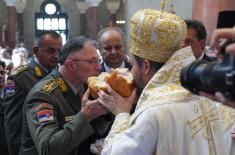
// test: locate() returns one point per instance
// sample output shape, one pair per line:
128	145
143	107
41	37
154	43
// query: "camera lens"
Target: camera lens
191	76
210	77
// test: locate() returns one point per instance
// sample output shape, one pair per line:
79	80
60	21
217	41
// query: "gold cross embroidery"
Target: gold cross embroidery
204	122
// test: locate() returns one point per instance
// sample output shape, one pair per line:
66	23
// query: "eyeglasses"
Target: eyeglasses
91	61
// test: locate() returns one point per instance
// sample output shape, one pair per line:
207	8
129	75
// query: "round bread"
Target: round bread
96	83
120	80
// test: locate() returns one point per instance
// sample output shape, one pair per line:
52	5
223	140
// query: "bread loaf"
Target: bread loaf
96	83
120	80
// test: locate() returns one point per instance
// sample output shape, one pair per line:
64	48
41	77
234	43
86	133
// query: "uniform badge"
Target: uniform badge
10	87
50	86
45	115
38	71
62	85
43	105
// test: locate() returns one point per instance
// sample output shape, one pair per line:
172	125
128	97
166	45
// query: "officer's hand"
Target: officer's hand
92	109
116	103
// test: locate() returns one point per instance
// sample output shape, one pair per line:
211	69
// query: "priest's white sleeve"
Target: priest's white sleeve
139	139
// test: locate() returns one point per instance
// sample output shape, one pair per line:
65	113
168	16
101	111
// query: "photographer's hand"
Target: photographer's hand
218	34
231	48
219	97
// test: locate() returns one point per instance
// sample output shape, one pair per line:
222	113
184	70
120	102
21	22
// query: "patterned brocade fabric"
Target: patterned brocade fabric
155	35
119	127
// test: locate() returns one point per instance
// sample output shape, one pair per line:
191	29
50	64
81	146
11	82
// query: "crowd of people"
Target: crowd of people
46	107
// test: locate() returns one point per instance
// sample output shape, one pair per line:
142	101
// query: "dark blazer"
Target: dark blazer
127	65
18	84
67	131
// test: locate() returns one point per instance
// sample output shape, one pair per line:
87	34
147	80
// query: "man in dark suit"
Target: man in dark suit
113	49
21	80
196	38
56	119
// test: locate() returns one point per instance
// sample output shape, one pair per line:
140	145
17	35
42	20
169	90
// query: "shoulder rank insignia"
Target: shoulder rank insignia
50	86
19	69
62	85
38	71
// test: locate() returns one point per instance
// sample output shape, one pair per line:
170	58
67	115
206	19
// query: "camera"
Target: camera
210	77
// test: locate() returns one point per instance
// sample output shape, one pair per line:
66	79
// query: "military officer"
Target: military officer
46	57
56	120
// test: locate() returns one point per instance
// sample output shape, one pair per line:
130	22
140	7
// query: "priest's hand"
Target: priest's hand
92	108
114	102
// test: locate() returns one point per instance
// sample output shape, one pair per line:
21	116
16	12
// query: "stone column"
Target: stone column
20	6
11	25
93	4
113	6
207	11
1	41
83	7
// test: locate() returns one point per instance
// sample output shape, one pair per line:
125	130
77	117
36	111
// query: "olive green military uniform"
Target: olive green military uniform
53	123
18	84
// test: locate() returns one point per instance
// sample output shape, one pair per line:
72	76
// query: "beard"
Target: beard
139	86
138	92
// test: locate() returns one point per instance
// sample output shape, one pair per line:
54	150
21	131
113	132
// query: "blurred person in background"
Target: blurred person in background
3	144
196	38
112	47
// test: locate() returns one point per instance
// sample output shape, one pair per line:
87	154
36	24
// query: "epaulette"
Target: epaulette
19	69
50	86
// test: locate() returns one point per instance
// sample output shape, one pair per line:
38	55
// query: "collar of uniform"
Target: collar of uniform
108	69
43	68
75	90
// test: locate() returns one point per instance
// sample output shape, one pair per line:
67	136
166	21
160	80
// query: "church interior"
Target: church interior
21	20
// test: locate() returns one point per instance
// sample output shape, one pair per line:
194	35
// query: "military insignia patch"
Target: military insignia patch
38	71
62	85
9	87
50	86
43	105
19	69
45	115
